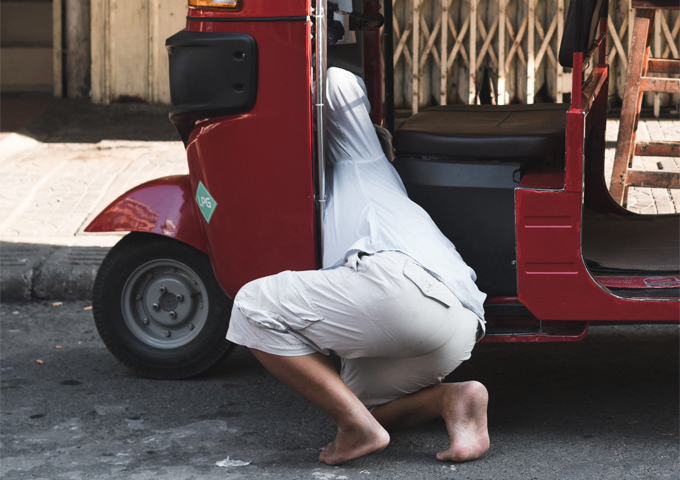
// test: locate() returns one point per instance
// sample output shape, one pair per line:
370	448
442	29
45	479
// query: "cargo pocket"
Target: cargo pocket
428	285
416	313
252	301
294	297
262	319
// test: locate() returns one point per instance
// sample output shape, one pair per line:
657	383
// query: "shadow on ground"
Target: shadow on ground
79	121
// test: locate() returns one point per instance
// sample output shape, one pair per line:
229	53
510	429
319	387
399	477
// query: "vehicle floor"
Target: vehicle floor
649	243
635	246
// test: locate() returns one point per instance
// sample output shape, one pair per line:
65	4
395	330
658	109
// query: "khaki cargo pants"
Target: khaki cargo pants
396	327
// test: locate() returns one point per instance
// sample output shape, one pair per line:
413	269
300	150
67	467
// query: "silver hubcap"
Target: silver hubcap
165	304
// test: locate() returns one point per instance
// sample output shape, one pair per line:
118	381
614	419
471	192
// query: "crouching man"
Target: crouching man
395	302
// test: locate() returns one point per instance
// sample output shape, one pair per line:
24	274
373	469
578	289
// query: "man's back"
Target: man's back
368	209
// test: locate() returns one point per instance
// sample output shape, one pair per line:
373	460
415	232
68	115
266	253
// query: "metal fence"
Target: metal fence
505	51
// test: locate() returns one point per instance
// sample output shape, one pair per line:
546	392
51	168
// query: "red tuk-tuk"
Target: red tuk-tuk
519	189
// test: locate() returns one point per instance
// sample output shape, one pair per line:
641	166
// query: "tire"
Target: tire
159	309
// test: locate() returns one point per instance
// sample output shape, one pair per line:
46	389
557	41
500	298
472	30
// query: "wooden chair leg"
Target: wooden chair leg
624	199
632	101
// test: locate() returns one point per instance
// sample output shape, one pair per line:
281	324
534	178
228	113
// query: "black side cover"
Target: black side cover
211	75
581	28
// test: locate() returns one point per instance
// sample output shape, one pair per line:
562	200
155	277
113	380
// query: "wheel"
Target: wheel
159	309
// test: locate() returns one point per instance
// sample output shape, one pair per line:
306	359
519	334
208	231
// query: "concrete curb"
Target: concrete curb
30	272
40	271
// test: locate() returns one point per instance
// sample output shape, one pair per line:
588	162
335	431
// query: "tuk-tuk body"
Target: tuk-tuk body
258	164
251	203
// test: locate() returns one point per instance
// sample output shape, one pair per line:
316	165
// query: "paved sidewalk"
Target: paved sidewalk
648	200
56	175
64	167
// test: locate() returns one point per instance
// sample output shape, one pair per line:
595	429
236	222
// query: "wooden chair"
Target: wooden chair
637	82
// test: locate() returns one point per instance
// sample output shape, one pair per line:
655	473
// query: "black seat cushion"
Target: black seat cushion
484	131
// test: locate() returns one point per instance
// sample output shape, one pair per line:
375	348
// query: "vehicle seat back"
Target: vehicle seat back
484	132
508	131
462	163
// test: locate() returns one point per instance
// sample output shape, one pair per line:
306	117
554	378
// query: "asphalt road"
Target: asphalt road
604	408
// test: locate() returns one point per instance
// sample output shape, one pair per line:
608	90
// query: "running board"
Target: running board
642	286
641	282
542	332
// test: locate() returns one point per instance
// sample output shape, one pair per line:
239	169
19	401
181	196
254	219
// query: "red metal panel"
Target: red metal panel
258	8
576	79
164	206
574	152
543	180
258	166
536	337
553	281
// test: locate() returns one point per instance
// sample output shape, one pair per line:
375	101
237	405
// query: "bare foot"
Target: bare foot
364	437
464	411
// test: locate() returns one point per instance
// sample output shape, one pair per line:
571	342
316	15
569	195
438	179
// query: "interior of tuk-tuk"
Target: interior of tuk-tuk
464	163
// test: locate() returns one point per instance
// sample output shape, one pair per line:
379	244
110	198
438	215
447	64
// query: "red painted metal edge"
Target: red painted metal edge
257	9
259	166
164	206
536	338
543	180
576	78
639	282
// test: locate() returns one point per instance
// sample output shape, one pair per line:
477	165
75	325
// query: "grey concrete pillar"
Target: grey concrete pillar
77	26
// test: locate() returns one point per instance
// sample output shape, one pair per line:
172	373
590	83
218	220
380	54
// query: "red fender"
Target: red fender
164	206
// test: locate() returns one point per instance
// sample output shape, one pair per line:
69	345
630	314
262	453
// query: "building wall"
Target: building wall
26	46
513	45
76	40
129	60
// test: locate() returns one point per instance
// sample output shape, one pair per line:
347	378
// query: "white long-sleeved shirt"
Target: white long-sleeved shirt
367	208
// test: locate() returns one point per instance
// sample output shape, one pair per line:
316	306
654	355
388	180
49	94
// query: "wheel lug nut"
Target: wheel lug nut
180	297
167	333
191	326
173	315
156	307
138	296
145	321
163	289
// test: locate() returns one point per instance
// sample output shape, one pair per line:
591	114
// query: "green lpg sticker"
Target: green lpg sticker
206	203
